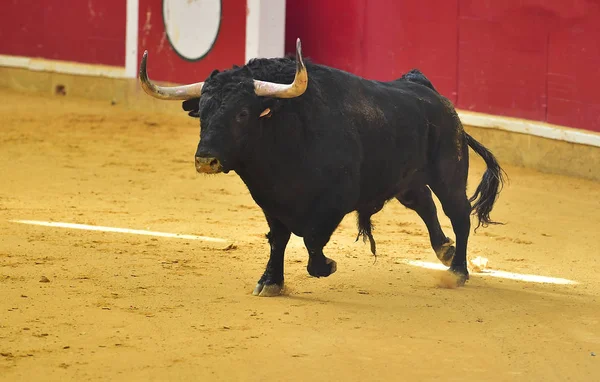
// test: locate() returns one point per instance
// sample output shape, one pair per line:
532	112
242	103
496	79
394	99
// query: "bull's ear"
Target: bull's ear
270	106
266	113
192	106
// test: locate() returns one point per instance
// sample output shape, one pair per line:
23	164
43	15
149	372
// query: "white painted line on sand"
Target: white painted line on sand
120	230
494	273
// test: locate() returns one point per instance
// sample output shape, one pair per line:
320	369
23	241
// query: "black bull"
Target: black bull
331	143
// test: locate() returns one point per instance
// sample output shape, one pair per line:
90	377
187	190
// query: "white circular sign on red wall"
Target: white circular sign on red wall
192	26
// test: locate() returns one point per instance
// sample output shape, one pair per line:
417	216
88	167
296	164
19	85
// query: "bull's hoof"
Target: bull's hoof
267	290
446	253
460	274
321	269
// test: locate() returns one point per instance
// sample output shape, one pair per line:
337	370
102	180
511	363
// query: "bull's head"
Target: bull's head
229	107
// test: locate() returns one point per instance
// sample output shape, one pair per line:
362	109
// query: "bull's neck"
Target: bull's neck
271	164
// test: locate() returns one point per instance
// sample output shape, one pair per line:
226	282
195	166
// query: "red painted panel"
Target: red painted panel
401	35
531	11
502	63
90	31
21	27
574	74
331	31
379	40
534	59
163	62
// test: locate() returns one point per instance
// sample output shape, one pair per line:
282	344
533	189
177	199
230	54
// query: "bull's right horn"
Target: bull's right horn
183	92
295	89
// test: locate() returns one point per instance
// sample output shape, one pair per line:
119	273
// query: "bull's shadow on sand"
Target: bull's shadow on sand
426	285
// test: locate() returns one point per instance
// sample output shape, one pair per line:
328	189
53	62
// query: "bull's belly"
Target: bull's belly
376	191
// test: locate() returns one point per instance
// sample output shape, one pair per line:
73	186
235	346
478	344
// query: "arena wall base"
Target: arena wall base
542	154
563	153
122	91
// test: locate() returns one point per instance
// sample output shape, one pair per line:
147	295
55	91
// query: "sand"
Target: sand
118	306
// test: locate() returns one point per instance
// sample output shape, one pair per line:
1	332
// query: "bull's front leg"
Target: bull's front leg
271	282
317	238
318	264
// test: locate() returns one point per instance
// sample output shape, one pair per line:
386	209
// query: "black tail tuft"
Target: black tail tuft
490	186
365	229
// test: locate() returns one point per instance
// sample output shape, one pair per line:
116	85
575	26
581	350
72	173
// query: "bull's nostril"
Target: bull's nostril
208	165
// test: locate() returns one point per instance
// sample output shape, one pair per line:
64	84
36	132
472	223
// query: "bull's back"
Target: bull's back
395	144
393	128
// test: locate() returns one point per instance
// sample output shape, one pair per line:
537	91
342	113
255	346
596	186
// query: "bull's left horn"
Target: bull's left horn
295	89
183	92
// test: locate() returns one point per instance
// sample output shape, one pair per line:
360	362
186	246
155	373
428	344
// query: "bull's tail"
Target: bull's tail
365	229
490	186
493	179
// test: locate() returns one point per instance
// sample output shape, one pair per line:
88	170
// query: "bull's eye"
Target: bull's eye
242	115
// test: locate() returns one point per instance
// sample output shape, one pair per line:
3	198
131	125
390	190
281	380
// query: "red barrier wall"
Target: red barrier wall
91	31
166	65
381	40
94	32
534	59
574	74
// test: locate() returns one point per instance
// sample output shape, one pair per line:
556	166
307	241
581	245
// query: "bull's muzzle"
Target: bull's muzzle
208	165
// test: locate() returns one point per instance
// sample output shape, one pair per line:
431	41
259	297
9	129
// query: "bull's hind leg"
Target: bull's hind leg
271	282
456	206
419	199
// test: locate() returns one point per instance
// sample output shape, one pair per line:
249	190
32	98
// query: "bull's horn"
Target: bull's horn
295	89
183	92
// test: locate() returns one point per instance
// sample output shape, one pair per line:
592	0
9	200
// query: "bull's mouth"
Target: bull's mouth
208	165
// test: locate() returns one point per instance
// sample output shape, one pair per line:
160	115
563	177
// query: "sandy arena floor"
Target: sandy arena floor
120	306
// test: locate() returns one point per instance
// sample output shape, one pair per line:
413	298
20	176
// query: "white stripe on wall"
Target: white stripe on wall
265	28
131	38
42	64
539	129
